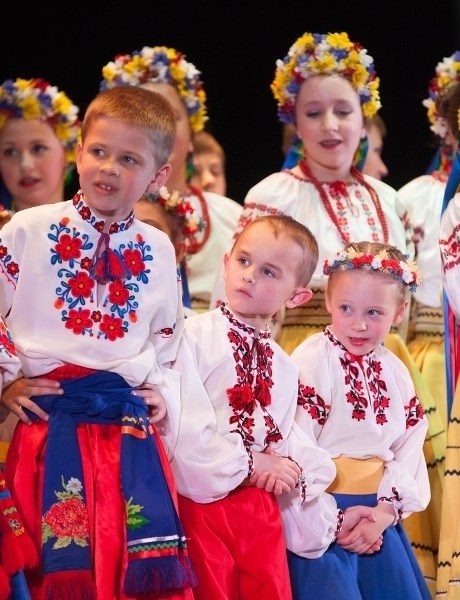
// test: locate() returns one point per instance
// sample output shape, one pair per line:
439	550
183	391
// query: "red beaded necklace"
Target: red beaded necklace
327	204
193	245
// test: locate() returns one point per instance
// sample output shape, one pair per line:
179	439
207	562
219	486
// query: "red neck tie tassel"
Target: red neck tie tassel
107	265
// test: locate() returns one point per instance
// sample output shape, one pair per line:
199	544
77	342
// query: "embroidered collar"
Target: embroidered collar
349	355
87	214
243	326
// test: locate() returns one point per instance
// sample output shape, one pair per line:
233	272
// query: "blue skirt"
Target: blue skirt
392	572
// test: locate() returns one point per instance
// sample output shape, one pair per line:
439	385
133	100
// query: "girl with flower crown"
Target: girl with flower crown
39	129
358	401
166	71
422	200
449	540
327	86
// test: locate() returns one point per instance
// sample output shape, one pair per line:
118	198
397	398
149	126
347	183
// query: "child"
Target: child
208	164
173	214
93	301
359	400
239	393
449	540
39	129
166	71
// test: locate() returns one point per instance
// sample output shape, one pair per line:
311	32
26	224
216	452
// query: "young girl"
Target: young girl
93	302
359	401
173	214
166	71
39	129
449	237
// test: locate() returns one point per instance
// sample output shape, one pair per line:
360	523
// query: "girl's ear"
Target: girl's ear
160	178
400	312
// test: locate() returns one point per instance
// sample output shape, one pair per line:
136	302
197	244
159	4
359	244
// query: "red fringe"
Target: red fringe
17	552
69	585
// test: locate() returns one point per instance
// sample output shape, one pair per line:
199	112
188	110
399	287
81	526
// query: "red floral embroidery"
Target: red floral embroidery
81	285
68	247
133	258
78	320
67	519
414	412
118	293
253	366
314	404
112	327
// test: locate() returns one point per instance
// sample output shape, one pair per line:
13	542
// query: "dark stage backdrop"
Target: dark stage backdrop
235	45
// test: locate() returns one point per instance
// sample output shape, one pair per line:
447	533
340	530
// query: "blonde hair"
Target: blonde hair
203	141
298	233
136	107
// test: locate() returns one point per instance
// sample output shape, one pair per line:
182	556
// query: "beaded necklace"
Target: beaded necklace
193	245
356	174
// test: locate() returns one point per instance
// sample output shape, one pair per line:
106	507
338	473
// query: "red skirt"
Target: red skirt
100	451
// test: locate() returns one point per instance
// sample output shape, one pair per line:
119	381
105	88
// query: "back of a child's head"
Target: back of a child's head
205	142
136	108
299	234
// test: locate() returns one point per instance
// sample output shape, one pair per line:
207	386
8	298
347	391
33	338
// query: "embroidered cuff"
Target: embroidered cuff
250	462
396	502
340	520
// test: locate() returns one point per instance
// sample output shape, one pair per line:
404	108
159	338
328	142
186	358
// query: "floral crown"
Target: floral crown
321	53
176	203
160	65
447	71
404	271
37	99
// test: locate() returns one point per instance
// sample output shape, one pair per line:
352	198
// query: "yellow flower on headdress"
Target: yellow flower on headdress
37	99
332	53
160	64
447	71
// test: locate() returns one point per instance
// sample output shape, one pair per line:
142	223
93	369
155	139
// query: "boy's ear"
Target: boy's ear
299	296
160	178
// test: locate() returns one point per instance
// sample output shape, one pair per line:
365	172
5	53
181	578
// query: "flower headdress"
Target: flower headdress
176	203
37	99
447	71
160	65
321	53
349	258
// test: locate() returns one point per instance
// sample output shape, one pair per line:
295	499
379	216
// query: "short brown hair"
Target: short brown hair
136	107
299	234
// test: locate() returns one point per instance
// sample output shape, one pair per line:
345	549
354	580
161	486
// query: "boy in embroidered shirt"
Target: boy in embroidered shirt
93	299
359	400
239	392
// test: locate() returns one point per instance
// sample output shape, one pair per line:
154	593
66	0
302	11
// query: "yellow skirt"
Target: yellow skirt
448	576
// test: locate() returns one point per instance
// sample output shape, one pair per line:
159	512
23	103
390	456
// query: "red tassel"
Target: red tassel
241	397
262	392
69	585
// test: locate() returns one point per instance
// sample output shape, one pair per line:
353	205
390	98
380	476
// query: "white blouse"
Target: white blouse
449	243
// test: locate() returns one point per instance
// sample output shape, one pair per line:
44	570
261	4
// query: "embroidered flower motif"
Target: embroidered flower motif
67	519
6	343
414	412
313	403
